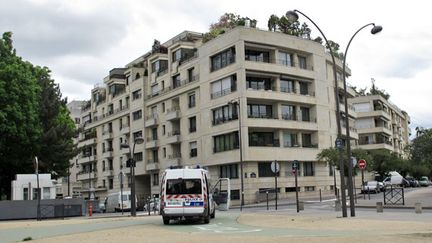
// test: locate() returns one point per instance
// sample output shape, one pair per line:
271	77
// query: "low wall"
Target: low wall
50	208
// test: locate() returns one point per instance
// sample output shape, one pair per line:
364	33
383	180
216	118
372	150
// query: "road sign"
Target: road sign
362	164
295	164
339	143
275	167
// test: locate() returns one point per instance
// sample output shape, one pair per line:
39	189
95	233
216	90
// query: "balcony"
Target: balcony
151	121
108	173
151	143
86	159
174	159
108	153
173	114
151	165
125	129
173	137
107	134
85	175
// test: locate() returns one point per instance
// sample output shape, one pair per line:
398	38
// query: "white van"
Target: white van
113	202
185	194
394	179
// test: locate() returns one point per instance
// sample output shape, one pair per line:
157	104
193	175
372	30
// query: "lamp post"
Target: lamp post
237	104
376	29
292	17
131	162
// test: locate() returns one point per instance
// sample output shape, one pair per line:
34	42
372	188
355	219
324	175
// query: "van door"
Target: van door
173	193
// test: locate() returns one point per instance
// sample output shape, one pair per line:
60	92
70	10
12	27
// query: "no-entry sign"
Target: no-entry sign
362	164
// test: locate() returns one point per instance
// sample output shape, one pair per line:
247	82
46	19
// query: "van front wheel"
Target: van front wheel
165	220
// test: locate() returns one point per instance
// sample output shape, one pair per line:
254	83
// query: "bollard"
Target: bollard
379	207
418	208
338	206
320	196
301	205
267	200
368	194
90	209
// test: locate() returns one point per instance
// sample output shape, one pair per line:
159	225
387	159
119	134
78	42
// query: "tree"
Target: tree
20	128
421	153
331	156
34	120
227	21
374	90
273	22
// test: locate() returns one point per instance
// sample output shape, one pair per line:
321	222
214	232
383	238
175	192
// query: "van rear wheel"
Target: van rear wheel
207	217
165	220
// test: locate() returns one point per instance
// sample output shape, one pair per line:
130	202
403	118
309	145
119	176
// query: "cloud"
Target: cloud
52	29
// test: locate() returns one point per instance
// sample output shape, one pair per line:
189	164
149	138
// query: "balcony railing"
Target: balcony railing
274	143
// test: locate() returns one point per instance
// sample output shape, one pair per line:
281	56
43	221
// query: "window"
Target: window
35	194
155	179
290	139
190	74
183	186
309	188
46	193
259	111
285	58
163	129
287	86
308	169
191	100
25	193
257	56
258	83
164	152
224	113
138	156
159	66
136	94
192	124
110	183
304	88
235	194
163	106
176	81
110	164
291	189
263	139
136	135
154	134
103	165
222	59
289	112
103	183
225	142
223	86
331	169
155	90
155	156
302	62
229	171
264	170
177	55
137	115
305	111
307	140
193	149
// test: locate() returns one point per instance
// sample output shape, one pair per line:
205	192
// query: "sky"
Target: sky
81	40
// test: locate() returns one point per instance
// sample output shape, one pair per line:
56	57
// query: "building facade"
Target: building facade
266	95
381	124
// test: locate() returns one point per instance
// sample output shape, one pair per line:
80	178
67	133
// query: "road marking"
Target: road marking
220	228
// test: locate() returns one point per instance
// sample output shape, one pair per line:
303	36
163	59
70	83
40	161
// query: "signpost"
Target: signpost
339	143
295	170
36	165
362	165
354	162
275	169
121	189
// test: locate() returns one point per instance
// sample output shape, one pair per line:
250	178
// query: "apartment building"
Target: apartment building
191	101
381	124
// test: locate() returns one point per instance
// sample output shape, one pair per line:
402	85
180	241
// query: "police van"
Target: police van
185	194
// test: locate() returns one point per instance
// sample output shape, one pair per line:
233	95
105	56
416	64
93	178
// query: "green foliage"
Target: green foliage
34	120
227	21
331	156
273	22
421	153
374	90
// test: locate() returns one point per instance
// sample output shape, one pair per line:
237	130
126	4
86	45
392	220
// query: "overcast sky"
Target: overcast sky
81	40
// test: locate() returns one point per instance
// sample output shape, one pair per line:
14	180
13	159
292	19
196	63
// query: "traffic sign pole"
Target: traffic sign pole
295	169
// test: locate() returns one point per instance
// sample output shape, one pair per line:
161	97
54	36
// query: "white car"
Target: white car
370	186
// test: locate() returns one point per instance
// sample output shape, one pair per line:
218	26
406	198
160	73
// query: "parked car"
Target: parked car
370	186
102	206
395	179
381	186
413	182
405	183
424	181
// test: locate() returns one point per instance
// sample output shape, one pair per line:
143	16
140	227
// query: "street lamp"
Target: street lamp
237	104
131	162
292	17
376	29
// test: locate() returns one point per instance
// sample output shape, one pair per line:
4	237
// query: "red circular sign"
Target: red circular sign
362	164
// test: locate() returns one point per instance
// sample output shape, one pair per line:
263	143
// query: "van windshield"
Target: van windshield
183	186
